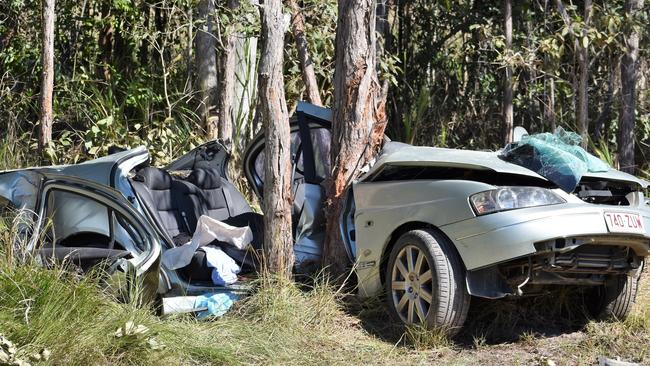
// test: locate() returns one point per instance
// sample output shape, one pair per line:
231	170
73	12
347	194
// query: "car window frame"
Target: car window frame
114	201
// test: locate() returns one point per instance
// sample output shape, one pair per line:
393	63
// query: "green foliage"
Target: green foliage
125	72
452	59
320	30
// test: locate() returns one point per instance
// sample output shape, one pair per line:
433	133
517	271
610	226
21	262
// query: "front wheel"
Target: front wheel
615	299
425	282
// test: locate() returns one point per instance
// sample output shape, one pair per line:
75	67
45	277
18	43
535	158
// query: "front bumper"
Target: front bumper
491	239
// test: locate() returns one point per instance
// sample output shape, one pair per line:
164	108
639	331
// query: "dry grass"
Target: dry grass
282	323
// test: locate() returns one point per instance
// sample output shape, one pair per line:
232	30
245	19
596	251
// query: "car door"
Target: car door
87	223
310	156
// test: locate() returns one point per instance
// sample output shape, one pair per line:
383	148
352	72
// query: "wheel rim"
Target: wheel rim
411	285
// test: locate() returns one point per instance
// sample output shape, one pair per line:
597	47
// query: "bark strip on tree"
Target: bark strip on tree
278	240
359	116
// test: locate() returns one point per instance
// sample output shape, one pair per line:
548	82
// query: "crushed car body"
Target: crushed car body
428	227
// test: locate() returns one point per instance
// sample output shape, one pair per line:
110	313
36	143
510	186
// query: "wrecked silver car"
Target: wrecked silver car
426	227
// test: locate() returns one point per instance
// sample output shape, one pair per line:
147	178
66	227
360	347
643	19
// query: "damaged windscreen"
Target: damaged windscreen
556	156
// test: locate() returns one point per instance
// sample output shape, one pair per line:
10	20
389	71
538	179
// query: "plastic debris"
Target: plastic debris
216	304
178	304
604	361
556	156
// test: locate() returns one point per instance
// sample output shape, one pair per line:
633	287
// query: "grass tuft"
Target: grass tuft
422	338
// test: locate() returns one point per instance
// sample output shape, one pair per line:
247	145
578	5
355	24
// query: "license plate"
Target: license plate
622	222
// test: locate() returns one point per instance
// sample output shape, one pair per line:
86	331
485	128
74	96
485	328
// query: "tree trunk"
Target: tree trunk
508	123
227	82
583	83
206	59
626	126
549	107
605	114
581	47
306	63
105	40
47	78
143	52
549	83
278	241
359	116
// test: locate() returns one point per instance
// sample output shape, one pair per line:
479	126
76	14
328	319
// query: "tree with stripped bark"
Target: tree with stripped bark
278	241
508	123
359	117
47	77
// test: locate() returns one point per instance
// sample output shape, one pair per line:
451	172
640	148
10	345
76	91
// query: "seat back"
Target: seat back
162	196
209	195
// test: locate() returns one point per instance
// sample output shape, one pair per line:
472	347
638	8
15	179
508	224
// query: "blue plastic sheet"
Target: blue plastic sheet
217	304
556	156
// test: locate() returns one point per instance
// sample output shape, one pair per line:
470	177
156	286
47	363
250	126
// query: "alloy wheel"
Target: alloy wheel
411	285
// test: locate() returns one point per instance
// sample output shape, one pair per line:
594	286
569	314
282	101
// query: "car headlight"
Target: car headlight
511	198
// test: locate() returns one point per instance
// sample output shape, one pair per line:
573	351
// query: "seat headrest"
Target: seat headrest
206	178
154	178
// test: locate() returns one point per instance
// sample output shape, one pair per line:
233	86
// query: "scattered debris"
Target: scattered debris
604	361
130	329
8	354
154	344
179	305
138	331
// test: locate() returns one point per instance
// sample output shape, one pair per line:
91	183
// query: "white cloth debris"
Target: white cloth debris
225	269
207	230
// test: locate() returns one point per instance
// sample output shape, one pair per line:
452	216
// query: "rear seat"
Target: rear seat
163	196
178	204
210	194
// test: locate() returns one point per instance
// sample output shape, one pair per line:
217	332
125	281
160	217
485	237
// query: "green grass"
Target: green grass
76	321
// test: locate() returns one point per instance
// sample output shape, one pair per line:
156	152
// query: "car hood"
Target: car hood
398	154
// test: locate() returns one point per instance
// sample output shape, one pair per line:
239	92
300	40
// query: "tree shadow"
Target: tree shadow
489	322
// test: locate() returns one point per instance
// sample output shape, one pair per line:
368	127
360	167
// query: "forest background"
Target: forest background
131	72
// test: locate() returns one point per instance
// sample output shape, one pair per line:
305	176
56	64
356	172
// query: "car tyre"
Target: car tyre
425	282
615	299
